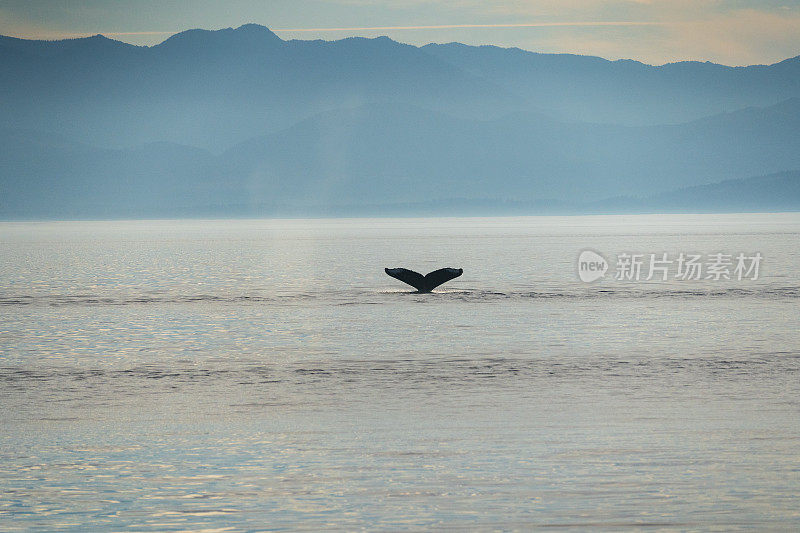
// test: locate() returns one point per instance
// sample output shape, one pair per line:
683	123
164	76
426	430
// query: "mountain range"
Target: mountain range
238	122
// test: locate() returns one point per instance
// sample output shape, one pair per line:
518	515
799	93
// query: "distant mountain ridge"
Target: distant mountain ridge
521	157
239	121
339	158
773	192
216	88
593	89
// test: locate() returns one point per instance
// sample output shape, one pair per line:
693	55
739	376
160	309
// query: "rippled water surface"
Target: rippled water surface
263	375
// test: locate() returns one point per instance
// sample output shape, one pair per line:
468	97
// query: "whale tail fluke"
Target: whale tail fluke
427	282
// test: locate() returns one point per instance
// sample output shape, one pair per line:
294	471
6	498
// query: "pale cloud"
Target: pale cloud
468	26
658	31
14	26
734	37
740	37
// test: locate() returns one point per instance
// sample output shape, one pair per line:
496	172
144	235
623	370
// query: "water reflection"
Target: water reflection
266	374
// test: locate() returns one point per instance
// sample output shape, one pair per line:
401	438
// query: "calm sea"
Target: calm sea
267	375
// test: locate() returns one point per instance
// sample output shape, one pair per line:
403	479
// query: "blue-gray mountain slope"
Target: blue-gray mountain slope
213	89
392	154
238	121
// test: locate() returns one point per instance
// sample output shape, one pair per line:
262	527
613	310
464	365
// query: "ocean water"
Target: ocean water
267	375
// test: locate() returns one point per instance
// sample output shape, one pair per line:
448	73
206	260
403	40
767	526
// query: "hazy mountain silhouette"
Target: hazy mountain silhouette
376	153
238	121
383	155
593	89
774	192
216	88
49	176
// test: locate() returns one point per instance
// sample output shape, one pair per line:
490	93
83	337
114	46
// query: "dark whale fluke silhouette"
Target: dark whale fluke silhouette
427	282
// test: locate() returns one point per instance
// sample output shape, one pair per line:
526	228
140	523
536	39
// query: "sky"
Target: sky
736	32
